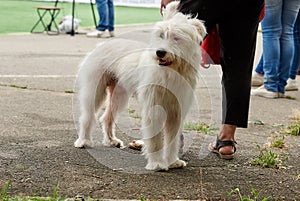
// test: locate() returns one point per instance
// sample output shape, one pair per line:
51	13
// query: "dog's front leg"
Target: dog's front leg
172	135
152	126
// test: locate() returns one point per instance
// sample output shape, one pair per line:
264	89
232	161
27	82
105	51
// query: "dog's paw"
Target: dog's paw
114	142
178	164
157	166
80	143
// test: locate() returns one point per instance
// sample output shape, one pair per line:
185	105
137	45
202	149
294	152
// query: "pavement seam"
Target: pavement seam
201	184
36	89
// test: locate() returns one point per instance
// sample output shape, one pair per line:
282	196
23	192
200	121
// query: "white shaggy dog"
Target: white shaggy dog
66	24
163	75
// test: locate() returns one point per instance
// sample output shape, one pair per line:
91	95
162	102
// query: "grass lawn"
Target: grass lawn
20	15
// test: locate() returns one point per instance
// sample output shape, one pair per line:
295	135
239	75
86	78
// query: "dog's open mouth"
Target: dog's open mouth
164	62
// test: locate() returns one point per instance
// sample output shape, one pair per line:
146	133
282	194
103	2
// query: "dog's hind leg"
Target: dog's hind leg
117	100
87	118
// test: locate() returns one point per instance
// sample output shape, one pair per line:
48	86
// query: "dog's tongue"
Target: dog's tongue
164	62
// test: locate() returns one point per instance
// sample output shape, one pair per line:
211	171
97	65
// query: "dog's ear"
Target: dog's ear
170	10
199	26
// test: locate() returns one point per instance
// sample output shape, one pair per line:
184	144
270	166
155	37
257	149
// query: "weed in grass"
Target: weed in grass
258	122
231	165
290	97
199	127
298	177
19	87
143	199
244	198
69	91
278	142
136	116
266	159
131	111
54	196
3	195
133	115
293	129
277	125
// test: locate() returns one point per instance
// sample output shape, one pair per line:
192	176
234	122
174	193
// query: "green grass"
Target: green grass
20	15
199	127
4	195
293	128
266	159
135	116
17	86
244	198
69	91
278	142
131	111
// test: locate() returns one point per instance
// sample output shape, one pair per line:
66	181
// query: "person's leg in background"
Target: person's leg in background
111	15
271	29
291	83
271	32
103	21
103	14
289	16
258	74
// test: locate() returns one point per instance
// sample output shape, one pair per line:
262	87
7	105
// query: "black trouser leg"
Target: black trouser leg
238	30
238	42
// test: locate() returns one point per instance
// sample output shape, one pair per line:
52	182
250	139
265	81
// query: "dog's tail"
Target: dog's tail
91	83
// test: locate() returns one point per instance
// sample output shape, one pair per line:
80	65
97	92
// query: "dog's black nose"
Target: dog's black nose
161	53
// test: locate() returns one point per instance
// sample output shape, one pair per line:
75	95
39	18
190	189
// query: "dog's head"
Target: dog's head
177	40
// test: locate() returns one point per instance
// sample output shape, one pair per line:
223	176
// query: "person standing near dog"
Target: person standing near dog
237	23
280	37
106	22
258	74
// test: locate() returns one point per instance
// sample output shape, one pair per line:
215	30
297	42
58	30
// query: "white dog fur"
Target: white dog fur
163	75
66	24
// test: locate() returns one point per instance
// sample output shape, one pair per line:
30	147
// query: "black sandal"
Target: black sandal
219	144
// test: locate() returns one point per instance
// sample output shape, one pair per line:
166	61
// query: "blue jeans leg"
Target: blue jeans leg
271	29
260	68
111	16
296	60
106	14
289	16
278	42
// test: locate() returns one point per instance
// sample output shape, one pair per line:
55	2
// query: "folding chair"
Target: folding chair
42	12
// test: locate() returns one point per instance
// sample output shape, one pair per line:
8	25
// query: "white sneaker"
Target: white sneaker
263	92
281	95
257	79
291	85
112	34
95	34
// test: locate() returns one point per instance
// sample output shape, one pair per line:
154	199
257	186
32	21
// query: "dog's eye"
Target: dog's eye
162	35
176	39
